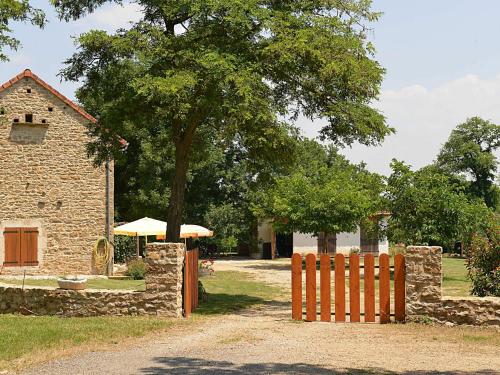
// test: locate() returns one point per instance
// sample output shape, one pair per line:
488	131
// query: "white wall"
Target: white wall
305	243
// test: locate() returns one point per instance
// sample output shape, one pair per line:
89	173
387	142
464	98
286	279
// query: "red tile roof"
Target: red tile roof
28	74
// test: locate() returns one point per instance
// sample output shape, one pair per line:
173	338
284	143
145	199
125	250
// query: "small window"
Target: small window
28	91
51	109
20	247
2	111
44	121
16	120
28	118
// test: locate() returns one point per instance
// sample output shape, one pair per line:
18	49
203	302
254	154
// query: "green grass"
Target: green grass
31	337
228	292
138	285
455	281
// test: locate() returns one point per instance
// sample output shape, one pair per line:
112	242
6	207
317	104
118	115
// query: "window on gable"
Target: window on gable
21	247
28	118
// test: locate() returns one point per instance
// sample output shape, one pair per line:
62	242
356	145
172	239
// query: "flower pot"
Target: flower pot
72	284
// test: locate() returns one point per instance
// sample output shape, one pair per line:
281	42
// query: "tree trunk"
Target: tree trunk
178	188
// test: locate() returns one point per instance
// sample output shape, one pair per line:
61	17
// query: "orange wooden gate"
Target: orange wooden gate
190	282
367	289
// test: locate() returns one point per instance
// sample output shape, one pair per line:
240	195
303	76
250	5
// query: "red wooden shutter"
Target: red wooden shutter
12	247
29	246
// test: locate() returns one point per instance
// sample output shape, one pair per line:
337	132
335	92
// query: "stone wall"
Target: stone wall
47	181
424	293
163	295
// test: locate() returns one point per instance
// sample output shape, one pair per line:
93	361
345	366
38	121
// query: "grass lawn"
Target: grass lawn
229	291
455	281
28	339
91	284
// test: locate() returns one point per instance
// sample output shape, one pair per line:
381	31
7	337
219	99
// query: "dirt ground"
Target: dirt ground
264	340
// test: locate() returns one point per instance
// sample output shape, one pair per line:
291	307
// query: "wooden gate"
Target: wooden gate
367	289
190	282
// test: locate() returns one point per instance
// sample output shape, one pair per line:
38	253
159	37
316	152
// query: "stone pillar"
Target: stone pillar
423	281
164	277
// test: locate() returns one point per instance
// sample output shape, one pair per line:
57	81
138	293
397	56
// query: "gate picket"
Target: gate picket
310	287
339	288
296	286
384	289
354	298
399	288
369	287
325	288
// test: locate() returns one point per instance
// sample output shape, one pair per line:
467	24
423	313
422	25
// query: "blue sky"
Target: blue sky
442	60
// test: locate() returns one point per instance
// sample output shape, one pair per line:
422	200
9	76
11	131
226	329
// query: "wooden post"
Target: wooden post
339	288
296	286
384	288
399	288
354	298
369	281
311	287
325	285
187	285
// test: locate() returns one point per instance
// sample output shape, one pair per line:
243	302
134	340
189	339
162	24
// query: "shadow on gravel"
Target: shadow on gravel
269	266
195	366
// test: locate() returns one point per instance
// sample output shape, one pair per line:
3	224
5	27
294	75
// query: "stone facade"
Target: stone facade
424	297
46	179
163	295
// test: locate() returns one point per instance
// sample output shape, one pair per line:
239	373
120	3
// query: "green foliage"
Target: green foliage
470	153
325	194
235	69
124	248
137	269
428	207
16	11
229	224
483	262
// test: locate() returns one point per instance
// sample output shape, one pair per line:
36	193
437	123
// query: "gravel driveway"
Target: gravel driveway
264	341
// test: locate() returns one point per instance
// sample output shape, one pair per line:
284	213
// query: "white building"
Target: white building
272	244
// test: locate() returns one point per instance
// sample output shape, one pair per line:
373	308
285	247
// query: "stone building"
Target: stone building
54	204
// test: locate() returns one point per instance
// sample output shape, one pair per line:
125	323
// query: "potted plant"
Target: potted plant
207	267
72	283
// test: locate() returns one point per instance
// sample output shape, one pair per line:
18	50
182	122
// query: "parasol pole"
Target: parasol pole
137	244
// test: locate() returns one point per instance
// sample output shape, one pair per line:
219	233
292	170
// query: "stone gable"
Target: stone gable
46	179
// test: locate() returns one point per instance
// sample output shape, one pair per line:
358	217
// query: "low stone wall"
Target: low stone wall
163	295
424	293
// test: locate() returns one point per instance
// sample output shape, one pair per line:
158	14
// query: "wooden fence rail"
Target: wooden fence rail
354	279
190	282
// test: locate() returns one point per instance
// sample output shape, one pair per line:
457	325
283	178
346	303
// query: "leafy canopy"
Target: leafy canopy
428	207
20	11
245	69
469	153
325	194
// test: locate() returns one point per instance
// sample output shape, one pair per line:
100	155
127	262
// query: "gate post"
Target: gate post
423	280
164	276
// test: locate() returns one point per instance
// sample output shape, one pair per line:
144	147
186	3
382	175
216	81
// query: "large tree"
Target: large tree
240	67
16	11
470	153
429	207
325	194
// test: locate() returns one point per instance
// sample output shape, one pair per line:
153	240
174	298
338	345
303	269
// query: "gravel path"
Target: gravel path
264	341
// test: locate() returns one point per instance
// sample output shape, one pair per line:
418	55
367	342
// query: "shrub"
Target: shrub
125	248
137	269
483	263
